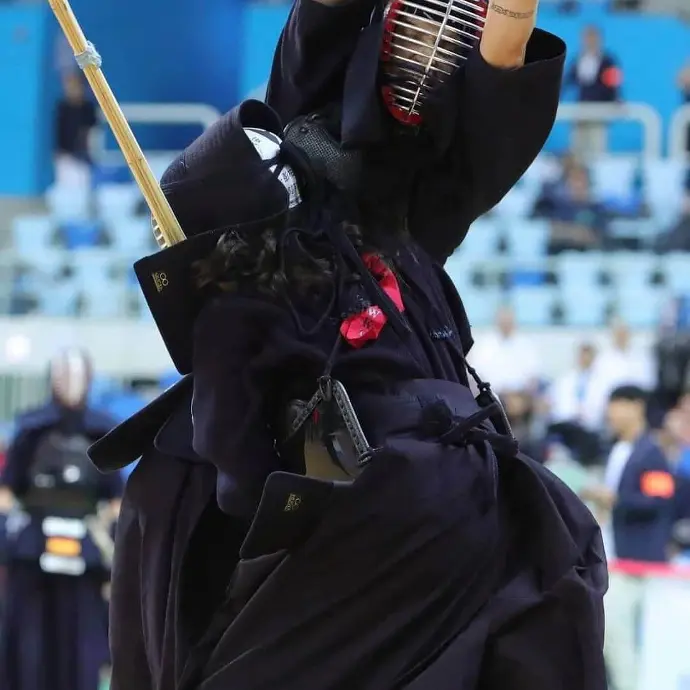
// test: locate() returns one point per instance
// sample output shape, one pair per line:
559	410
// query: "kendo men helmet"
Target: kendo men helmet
424	42
233	177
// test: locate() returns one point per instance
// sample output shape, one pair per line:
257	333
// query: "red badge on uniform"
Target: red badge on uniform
657	484
366	326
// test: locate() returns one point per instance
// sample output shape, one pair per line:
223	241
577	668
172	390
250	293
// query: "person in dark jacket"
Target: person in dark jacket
638	492
55	629
597	77
639	487
321	502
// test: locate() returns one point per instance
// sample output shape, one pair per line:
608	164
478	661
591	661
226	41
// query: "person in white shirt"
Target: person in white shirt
505	358
574	397
623	363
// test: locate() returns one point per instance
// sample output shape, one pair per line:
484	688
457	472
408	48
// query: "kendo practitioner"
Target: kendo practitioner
321	502
58	552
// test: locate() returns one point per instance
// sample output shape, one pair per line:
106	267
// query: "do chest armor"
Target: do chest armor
61	477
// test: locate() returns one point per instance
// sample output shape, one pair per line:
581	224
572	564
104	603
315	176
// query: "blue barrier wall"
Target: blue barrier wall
219	51
650	49
261	26
184	51
173	51
25	104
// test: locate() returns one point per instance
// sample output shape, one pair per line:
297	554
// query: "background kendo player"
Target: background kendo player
424	572
55	634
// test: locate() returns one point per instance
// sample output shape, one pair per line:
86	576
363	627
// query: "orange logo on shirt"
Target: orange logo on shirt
61	546
657	484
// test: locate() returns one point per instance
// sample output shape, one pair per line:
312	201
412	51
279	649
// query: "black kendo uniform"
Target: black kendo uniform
482	129
451	562
55	634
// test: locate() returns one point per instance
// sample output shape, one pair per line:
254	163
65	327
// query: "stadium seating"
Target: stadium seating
503	258
663	182
534	305
614	177
116	202
31	235
481	304
587	307
640	307
526	239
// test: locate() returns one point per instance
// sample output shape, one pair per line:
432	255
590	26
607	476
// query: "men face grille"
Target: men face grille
424	43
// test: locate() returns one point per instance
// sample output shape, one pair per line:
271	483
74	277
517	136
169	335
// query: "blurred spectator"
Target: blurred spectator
672	353
574	397
677	436
554	185
597	77
638	493
638	486
506	358
683	81
578	221
679	420
520	408
576	410
623	363
677	238
75	118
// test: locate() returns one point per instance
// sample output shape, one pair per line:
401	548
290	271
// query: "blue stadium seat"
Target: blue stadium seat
543	168
460	272
663	183
481	241
32	234
613	177
80	234
578	270
117	201
527	239
132	236
586	306
481	304
142	306
517	204
68	203
58	298
641	308
92	268
631	270
46	262
533	306
676	269
106	299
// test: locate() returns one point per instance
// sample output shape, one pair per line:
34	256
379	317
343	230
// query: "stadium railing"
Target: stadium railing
644	114
155	114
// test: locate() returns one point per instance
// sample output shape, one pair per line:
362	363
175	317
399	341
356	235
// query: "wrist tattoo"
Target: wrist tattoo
509	13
